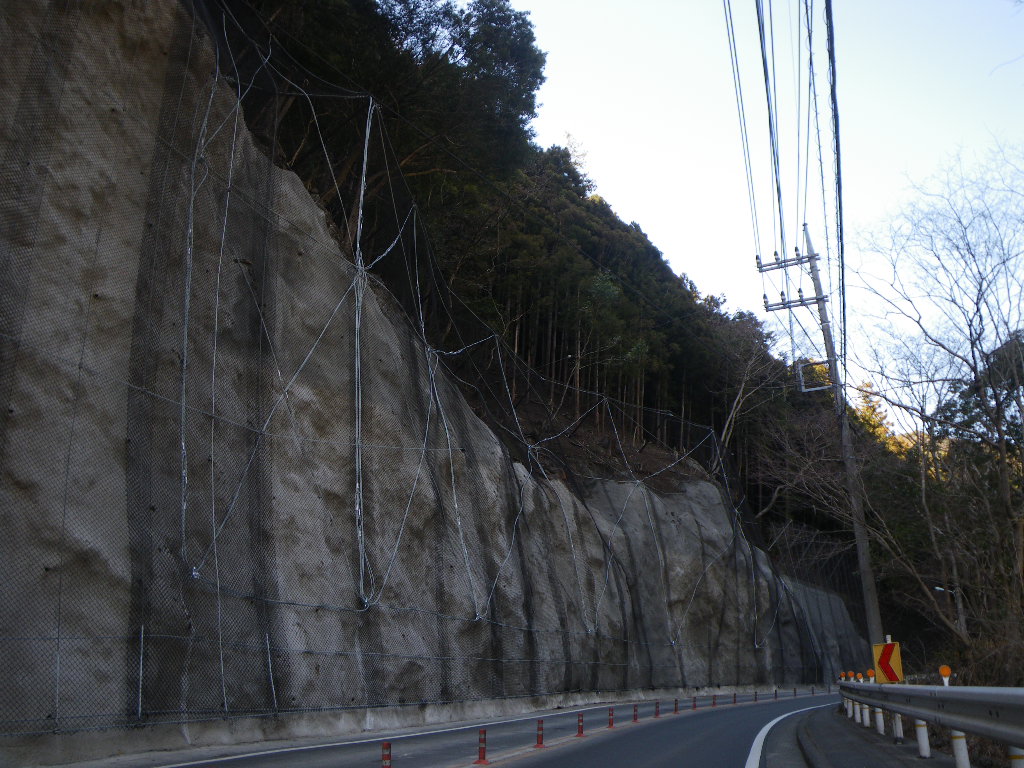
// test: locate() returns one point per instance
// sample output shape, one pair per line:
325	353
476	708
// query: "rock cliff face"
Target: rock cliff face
235	480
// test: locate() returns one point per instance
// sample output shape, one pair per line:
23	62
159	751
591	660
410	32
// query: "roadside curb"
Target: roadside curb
813	754
829	739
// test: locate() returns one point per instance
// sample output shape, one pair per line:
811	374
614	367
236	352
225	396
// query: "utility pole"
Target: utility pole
851	471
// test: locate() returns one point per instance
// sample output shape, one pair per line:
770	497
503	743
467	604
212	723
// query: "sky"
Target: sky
644	89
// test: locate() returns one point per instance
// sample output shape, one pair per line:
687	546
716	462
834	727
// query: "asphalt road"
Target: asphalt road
706	737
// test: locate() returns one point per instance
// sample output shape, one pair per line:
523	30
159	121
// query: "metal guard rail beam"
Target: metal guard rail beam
997	713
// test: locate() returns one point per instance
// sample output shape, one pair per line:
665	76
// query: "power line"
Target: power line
742	116
773	137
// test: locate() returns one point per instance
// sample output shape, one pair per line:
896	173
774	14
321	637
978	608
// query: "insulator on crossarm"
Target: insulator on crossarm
800	293
766	301
783	295
757	258
777	256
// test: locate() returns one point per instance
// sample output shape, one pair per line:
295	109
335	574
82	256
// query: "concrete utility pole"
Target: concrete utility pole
851	470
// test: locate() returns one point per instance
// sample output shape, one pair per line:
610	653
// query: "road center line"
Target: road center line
382	737
451	729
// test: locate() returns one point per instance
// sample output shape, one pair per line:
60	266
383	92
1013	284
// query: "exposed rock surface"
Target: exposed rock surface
184	531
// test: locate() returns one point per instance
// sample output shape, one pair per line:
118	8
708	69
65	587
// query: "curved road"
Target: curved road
707	737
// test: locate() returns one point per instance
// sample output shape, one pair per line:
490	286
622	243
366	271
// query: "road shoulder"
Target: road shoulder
829	739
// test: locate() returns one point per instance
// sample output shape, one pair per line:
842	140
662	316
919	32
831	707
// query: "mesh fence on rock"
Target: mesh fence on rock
238	476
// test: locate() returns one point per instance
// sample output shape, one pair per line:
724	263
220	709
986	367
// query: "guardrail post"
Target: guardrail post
879	721
924	749
1016	756
897	727
865	715
960	757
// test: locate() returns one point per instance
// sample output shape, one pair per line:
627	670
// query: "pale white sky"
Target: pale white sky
645	88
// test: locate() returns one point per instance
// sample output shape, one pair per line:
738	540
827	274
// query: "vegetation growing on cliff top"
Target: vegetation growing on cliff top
601	344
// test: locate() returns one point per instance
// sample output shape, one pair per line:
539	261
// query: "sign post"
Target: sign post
888	664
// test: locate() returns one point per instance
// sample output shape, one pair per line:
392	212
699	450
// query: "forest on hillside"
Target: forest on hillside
409	121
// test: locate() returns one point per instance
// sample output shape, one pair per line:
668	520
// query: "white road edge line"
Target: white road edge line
754	758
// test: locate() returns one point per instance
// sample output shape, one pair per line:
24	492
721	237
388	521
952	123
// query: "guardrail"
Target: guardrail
995	713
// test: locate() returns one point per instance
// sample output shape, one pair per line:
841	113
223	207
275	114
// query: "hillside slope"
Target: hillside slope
234	478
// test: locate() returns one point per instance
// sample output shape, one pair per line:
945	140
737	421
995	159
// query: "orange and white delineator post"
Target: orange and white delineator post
482	749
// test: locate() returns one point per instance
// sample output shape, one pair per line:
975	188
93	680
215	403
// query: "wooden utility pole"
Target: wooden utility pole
851	470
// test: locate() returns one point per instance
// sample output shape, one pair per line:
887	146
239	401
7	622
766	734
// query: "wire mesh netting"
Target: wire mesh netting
240	475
